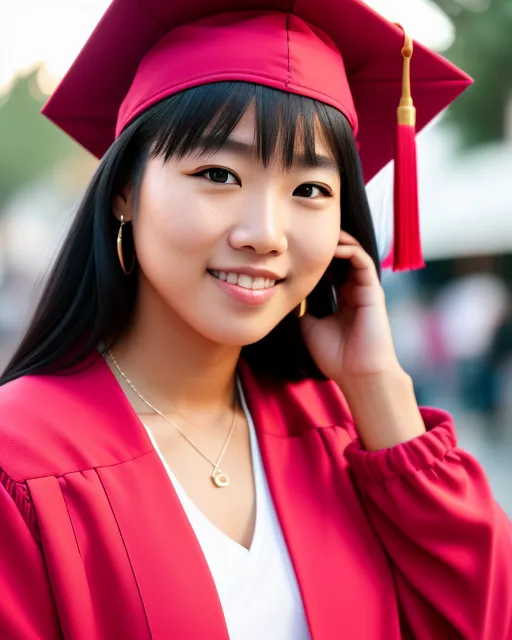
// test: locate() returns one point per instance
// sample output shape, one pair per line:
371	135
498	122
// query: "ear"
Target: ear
122	205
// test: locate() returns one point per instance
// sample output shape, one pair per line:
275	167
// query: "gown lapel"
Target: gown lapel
333	550
176	587
175	583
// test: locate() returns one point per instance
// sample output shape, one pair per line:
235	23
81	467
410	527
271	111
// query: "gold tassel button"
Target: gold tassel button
406	111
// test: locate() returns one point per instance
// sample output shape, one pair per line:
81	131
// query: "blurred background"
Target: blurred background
452	321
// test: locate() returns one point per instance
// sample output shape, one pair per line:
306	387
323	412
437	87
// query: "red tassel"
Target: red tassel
407	253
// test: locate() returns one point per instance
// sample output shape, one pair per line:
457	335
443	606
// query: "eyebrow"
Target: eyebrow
318	161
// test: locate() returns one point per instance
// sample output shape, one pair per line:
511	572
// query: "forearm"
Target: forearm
449	543
384	409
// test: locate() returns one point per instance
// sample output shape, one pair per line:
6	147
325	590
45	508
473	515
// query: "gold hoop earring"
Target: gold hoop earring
120	249
300	311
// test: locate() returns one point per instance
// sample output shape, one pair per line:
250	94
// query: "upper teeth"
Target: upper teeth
243	280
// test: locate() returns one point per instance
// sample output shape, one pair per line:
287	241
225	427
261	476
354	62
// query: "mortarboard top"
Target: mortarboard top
340	52
254	48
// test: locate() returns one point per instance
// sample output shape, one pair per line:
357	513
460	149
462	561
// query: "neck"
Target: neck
172	366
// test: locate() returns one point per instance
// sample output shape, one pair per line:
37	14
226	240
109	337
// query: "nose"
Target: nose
261	226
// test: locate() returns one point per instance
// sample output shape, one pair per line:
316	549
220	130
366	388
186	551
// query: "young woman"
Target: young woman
184	452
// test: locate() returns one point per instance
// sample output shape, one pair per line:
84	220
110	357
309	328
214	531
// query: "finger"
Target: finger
364	271
346	238
356	254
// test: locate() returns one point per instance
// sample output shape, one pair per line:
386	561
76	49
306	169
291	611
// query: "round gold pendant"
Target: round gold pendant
220	479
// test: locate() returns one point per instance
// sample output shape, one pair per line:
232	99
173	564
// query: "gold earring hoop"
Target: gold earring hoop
300	311
120	250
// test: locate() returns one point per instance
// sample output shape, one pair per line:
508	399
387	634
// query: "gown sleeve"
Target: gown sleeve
27	610
449	542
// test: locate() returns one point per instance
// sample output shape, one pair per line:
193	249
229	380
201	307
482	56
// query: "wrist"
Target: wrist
355	383
384	408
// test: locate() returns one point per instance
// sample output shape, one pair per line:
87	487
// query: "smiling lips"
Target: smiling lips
252	289
244	280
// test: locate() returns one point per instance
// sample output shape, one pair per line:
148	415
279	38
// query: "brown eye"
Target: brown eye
219	176
312	191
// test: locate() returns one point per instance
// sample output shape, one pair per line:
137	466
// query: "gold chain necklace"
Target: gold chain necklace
219	478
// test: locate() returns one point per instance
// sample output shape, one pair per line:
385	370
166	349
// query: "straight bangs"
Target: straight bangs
203	118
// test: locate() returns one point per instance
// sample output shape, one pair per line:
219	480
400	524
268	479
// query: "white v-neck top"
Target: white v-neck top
257	588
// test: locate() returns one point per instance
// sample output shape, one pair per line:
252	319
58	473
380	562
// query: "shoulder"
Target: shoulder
57	424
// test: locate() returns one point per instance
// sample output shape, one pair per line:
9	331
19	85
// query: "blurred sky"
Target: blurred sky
53	31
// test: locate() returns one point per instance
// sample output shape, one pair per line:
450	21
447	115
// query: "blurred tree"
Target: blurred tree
483	48
29	144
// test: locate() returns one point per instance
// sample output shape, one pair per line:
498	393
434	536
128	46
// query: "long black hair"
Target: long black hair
87	300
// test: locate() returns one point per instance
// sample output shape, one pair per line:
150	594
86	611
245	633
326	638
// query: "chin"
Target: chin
239	333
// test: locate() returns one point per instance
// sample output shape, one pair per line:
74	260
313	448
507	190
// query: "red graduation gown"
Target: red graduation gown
94	544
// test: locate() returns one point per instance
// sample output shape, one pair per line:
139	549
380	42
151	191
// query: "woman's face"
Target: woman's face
231	247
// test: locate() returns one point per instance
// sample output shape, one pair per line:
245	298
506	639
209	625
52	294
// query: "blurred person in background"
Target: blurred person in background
420	345
205	430
496	378
470	310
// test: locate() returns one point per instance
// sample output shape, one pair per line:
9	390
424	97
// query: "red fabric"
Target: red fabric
406	253
338	51
209	46
407	536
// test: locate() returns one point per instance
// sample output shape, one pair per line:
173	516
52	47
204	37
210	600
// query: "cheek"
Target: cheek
174	224
316	244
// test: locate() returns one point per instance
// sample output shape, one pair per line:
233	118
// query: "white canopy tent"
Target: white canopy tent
470	211
465	198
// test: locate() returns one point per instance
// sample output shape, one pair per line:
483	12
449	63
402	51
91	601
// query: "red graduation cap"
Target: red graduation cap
340	52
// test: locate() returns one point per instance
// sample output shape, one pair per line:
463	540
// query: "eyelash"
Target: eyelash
201	174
